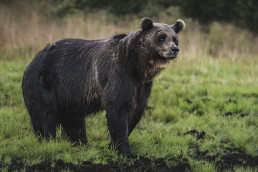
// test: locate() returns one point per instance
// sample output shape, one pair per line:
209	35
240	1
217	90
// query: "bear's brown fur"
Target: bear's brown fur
73	78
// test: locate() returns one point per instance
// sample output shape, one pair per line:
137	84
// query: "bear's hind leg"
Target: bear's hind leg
75	129
44	122
49	125
37	126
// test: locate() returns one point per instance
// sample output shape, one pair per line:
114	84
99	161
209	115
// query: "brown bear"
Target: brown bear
73	78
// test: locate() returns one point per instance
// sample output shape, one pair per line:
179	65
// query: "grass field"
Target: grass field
203	113
203	109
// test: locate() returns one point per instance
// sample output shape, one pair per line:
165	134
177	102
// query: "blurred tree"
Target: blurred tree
116	7
243	13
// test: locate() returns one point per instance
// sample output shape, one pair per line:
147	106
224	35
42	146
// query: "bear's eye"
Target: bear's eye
175	40
162	38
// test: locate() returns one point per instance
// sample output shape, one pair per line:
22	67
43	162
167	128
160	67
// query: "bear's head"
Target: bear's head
160	40
158	44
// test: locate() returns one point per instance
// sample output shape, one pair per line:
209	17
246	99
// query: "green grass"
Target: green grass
189	94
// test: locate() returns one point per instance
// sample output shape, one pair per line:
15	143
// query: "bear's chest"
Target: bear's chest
153	68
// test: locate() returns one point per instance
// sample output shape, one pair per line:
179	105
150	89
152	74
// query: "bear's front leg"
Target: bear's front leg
118	127
143	94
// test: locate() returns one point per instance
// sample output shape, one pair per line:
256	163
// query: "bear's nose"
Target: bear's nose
174	50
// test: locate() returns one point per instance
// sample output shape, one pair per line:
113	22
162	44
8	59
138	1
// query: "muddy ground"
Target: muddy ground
235	158
142	164
227	162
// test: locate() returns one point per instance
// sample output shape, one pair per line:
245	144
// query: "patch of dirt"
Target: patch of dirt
15	165
1	165
203	100
231	101
250	95
202	155
197	134
231	113
142	164
188	101
228	114
227	161
243	115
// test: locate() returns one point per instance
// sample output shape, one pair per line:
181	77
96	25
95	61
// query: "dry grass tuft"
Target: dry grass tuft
26	31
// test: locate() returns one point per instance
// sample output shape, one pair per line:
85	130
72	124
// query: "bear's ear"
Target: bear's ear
146	24
178	26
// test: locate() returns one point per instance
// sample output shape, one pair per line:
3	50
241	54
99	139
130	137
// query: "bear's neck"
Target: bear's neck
149	69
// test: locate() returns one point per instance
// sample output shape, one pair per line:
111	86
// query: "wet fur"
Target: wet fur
73	78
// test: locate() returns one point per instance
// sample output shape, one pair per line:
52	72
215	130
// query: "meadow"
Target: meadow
202	114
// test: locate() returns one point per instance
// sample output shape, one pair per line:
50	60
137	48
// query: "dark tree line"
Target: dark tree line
243	13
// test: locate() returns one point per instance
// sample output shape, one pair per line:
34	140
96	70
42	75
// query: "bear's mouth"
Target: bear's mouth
168	56
174	55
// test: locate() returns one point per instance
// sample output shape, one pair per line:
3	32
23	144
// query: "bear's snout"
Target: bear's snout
174	51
